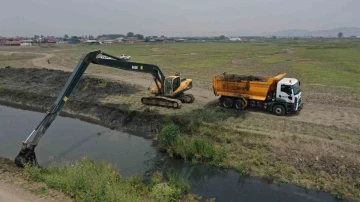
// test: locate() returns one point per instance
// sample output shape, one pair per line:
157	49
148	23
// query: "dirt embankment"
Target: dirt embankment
38	88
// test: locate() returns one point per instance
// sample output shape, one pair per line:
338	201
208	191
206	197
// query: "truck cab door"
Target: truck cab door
284	93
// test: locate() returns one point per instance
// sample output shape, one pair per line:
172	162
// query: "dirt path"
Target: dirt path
9	193
14	187
6	195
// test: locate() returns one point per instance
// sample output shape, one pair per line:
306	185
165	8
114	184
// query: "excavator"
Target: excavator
169	92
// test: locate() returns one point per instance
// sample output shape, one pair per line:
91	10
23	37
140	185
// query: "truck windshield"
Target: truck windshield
296	88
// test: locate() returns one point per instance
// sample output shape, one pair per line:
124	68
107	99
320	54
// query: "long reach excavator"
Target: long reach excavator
169	92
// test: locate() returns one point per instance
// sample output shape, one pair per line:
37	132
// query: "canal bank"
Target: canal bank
70	139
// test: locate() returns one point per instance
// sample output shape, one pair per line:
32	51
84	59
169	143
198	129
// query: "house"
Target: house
2	40
25	44
108	41
12	43
73	41
235	39
50	39
119	40
93	42
131	39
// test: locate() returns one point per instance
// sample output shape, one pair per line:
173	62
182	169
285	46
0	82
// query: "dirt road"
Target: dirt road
10	193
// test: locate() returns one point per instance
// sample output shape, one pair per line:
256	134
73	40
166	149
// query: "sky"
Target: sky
173	18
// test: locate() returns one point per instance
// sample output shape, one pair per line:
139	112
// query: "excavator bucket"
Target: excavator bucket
26	157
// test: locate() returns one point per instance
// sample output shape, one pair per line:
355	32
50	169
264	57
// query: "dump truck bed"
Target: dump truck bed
245	86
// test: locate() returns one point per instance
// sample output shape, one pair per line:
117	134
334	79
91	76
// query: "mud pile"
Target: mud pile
52	81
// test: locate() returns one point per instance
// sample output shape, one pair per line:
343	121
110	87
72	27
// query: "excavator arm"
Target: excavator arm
27	152
134	66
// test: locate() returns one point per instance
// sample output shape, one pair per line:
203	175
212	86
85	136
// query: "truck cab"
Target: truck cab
288	93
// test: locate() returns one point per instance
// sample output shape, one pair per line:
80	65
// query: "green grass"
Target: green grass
85	180
314	62
196	149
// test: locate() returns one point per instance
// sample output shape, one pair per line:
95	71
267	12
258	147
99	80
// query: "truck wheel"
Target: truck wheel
279	110
239	104
227	102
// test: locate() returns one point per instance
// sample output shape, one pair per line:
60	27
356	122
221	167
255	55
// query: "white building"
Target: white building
235	39
25	44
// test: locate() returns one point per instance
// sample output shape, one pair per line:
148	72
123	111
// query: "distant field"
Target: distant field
331	63
323	67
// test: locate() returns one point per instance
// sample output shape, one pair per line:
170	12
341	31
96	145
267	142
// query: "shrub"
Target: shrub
163	192
168	135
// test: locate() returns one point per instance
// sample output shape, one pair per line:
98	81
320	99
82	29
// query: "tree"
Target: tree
147	39
66	36
340	35
222	37
139	36
36	36
130	34
91	37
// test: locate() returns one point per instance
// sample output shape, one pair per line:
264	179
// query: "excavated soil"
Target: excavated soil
54	80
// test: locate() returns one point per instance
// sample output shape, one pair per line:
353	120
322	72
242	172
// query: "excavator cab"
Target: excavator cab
172	83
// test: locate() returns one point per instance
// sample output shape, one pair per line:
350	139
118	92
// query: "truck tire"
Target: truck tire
279	110
239	104
227	102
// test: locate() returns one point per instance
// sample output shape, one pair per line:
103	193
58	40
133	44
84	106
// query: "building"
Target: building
93	42
25	44
235	39
2	40
73	41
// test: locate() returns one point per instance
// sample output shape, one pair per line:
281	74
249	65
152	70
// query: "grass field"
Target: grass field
317	148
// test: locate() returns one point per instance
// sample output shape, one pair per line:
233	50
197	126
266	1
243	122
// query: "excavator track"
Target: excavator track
161	101
186	98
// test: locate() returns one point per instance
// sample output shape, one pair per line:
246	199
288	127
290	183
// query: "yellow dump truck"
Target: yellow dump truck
277	94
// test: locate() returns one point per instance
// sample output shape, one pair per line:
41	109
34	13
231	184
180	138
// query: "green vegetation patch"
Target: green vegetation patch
85	180
196	149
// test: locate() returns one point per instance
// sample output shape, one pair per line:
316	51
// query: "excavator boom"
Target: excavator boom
134	66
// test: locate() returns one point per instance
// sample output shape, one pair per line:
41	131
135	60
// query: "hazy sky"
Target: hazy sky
173	18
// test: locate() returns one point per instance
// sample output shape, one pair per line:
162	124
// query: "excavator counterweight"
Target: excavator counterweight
169	92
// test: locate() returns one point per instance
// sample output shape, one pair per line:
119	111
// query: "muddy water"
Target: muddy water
70	139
